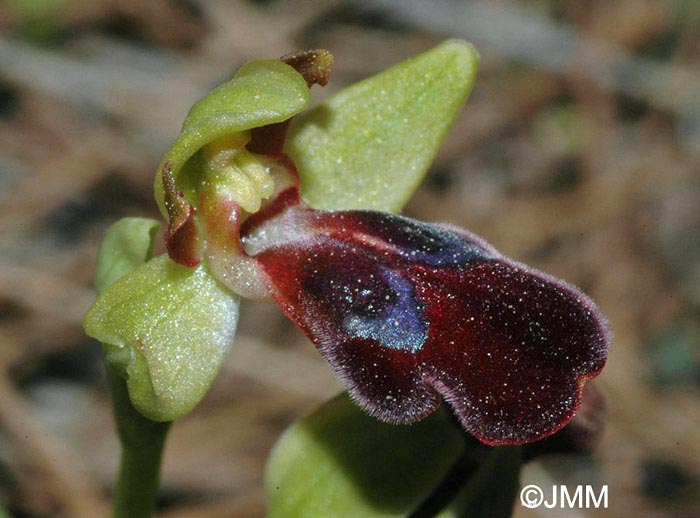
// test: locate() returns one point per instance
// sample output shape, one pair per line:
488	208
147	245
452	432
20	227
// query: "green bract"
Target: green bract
340	462
369	146
262	92
126	246
176	323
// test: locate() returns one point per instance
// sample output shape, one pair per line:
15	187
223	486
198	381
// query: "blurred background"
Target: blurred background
578	152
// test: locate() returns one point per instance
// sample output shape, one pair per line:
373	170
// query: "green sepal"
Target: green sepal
127	244
262	92
369	146
167	328
340	462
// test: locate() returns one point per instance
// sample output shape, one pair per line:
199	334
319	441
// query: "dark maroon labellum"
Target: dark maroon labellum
408	313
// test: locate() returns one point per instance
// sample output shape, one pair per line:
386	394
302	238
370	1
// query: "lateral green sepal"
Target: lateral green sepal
172	326
369	146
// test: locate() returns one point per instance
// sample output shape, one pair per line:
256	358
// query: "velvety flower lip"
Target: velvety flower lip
407	313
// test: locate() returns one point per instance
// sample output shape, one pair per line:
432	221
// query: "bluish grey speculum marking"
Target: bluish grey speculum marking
400	325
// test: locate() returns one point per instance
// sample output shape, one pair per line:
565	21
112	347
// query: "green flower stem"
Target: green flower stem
448	489
491	491
482	483
142	448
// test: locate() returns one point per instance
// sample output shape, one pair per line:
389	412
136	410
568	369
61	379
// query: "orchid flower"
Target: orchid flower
406	313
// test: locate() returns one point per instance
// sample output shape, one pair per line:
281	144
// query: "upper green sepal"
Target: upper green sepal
171	326
340	462
262	92
369	146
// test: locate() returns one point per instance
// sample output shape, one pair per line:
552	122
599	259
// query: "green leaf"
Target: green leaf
173	326
369	146
262	92
491	491
126	246
340	462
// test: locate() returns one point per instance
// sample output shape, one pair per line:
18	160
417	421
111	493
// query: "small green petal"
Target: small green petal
340	462
126	246
369	146
176	323
262	92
